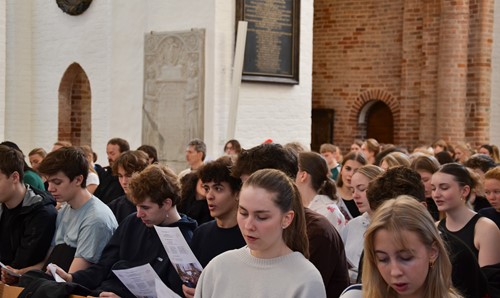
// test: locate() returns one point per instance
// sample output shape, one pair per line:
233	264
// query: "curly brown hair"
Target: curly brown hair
157	183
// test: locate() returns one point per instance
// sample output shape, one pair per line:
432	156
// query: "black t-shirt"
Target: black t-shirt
352	207
109	187
210	241
196	209
7	252
122	207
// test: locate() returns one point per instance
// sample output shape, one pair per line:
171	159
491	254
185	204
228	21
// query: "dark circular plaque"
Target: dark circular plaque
73	7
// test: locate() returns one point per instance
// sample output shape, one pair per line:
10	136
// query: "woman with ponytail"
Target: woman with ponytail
273	264
317	189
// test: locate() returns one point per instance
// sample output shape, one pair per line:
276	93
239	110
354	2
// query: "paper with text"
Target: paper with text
180	255
144	282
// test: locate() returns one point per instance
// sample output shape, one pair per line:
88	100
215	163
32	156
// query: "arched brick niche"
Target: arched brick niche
385	106
75	123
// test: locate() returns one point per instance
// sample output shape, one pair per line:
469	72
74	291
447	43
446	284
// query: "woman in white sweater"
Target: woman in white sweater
273	264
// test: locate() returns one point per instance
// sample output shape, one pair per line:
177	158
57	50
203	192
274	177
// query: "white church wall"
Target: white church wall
59	40
108	42
3	61
18	71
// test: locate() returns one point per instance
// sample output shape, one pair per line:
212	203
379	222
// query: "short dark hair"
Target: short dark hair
480	161
131	162
11	160
156	182
199	146
122	144
150	151
393	183
69	160
14	146
219	171
266	156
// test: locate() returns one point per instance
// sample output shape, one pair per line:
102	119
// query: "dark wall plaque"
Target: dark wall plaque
272	45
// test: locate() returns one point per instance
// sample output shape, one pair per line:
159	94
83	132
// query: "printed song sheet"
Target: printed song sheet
181	256
143	282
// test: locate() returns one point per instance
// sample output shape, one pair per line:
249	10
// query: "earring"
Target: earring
431	264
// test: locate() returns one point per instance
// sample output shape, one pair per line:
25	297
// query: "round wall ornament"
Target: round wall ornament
73	7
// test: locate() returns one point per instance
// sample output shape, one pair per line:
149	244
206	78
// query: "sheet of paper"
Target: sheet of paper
162	291
52	268
143	281
10	272
180	254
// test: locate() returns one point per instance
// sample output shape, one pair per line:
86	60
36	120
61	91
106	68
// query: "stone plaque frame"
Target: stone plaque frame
174	88
273	32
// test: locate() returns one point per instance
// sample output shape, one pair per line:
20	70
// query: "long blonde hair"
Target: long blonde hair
406	214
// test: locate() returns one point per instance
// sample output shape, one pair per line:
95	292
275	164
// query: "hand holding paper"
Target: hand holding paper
53	270
9	270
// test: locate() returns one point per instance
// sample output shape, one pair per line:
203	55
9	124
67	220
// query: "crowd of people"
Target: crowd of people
272	220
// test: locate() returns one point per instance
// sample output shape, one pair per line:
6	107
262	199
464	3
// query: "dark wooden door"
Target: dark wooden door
380	123
322	127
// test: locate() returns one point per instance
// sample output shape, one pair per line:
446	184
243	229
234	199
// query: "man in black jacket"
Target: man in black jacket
27	218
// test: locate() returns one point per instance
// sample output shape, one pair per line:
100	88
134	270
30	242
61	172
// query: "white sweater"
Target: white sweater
236	273
353	237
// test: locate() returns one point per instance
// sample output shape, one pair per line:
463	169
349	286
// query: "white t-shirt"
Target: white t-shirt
92	178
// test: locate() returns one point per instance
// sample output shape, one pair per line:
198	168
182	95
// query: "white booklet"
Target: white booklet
180	254
144	282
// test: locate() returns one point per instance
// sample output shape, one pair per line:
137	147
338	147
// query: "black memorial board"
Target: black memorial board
272	44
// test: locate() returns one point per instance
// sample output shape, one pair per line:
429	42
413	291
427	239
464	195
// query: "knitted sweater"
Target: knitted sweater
237	273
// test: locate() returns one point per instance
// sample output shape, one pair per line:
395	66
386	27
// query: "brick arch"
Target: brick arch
362	105
74	122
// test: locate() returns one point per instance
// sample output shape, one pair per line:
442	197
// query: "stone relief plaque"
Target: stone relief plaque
272	44
173	93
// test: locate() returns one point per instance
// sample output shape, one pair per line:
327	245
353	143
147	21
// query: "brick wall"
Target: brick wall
74	119
429	61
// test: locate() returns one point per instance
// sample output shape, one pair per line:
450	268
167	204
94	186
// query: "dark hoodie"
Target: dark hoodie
26	231
133	244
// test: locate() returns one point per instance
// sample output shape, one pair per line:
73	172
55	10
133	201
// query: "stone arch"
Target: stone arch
365	102
74	119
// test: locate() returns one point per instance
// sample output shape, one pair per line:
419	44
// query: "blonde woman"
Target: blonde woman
395	159
404	254
370	149
353	234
